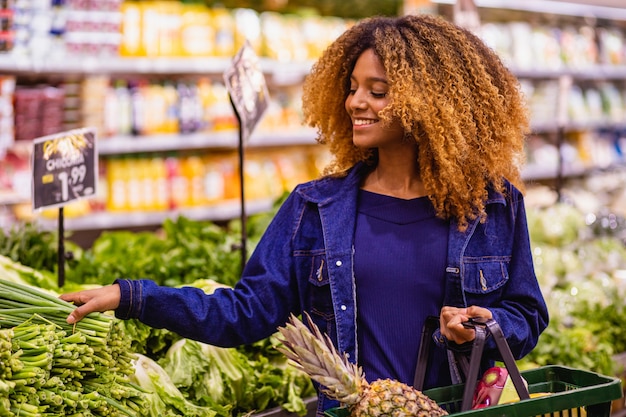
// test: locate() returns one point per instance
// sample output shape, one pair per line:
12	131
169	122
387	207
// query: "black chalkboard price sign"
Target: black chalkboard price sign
65	168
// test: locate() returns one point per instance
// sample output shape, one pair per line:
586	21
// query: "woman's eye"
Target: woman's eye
379	95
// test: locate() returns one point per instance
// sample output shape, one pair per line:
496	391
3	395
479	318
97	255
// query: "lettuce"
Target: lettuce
236	381
165	399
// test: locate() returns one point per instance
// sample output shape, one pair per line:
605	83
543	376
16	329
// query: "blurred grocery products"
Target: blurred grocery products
177	181
56	29
147	75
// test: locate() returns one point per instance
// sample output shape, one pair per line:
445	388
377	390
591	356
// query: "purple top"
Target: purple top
400	261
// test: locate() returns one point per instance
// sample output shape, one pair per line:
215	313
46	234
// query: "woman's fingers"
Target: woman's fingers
88	301
451	321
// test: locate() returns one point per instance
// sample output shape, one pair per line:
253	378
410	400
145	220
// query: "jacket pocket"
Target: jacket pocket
318	300
313	268
319	286
484	275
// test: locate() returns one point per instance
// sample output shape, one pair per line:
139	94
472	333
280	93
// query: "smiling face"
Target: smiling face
368	95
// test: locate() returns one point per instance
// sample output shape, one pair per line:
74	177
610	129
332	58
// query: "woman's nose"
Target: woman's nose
357	100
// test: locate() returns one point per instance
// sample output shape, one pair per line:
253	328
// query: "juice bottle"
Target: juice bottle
170	25
138	107
111	119
177	182
146	182
197	32
207	100
132	31
134	185
154	109
230	172
158	172
193	168
116	180
124	108
213	183
170	97
224	24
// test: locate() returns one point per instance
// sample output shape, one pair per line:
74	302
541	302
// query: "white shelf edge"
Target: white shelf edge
111	220
591	72
119	145
281	73
127	144
550	7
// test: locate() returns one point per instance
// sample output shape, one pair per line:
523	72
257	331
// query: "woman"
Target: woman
420	213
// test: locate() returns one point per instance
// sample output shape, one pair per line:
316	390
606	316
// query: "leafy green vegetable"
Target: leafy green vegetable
235	381
30	245
51	368
165	398
581	275
183	252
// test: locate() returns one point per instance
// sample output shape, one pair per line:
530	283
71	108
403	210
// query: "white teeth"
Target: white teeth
361	122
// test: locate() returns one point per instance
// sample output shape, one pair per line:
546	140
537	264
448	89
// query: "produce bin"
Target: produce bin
572	393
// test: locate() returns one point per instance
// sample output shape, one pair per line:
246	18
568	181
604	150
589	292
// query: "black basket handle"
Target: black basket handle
430	325
482	326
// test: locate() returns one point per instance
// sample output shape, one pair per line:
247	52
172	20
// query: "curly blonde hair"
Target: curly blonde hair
450	91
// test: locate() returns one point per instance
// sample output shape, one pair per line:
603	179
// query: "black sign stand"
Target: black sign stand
61	251
243	215
249	98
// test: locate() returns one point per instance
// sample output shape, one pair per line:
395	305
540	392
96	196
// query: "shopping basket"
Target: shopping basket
571	393
554	391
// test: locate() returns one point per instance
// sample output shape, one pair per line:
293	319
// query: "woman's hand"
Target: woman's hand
99	299
451	319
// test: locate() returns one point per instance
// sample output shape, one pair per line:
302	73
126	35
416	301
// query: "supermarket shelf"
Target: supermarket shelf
553	126
283	73
565	8
591	72
209	140
127	144
539	172
108	220
280	73
110	65
8	198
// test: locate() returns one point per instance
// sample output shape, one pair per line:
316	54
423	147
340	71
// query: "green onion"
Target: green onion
49	368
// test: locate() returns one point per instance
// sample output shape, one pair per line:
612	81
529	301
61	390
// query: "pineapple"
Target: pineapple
314	353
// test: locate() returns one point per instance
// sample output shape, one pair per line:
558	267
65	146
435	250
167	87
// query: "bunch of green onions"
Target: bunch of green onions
49	368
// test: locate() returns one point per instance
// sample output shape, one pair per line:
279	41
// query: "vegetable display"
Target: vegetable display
94	368
581	266
104	366
50	368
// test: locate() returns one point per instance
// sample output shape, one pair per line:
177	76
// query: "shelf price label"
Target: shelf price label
248	91
65	167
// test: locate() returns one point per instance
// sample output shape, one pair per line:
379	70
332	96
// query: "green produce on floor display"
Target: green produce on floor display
50	368
94	368
105	366
581	267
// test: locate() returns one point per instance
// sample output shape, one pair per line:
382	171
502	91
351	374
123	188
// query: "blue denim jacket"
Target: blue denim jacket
304	262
